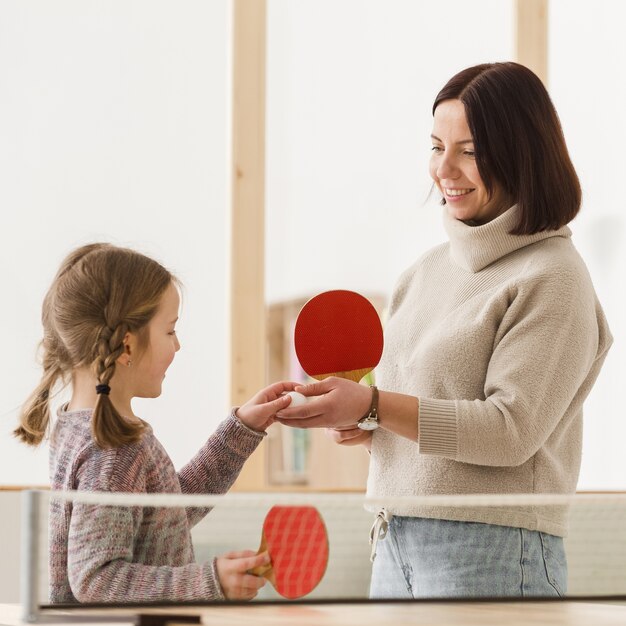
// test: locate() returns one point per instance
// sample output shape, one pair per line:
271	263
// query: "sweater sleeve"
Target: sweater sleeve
100	567
218	463
547	353
103	540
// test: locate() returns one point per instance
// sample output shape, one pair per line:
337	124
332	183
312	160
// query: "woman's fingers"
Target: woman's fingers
313	408
312	422
316	389
339	435
314	414
349	437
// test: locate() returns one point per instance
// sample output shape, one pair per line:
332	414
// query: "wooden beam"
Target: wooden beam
247	310
532	36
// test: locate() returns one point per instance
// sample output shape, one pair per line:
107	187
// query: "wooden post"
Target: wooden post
532	36
247	310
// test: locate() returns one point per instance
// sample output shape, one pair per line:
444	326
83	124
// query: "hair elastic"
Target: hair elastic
104	389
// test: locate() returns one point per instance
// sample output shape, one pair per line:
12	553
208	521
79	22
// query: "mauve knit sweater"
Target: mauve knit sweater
134	554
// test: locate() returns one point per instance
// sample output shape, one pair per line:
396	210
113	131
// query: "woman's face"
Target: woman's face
453	168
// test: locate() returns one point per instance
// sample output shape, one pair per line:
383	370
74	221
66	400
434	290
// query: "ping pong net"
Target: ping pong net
100	524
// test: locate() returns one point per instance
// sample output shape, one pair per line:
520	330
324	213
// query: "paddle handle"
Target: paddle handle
354	375
266	571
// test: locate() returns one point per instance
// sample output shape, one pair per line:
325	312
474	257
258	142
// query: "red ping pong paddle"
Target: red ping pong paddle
296	540
338	333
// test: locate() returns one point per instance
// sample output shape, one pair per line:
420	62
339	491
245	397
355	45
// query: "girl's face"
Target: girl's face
148	369
453	168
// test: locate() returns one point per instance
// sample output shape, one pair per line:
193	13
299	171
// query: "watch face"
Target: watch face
368	424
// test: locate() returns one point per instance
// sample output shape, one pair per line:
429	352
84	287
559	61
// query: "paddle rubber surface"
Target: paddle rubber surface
297	543
338	333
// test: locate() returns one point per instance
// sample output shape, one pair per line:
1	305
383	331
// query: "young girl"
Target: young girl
109	329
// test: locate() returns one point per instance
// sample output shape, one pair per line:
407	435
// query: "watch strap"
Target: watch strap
370	419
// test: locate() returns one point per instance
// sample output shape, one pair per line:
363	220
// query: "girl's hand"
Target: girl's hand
351	436
341	403
232	572
259	413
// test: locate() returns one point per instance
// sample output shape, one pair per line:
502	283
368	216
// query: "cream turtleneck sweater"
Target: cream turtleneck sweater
501	337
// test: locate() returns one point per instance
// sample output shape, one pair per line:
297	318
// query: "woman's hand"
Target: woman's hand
259	412
341	403
351	436
232	572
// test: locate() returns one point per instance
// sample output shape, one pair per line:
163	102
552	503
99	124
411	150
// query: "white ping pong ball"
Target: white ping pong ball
297	399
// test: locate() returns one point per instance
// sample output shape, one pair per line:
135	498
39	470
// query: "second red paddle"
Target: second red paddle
338	333
296	541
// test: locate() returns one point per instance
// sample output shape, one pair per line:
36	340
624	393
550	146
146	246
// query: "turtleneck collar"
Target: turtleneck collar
475	247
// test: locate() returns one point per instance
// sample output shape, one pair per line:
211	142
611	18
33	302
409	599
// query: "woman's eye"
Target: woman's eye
437	149
172	333
469	153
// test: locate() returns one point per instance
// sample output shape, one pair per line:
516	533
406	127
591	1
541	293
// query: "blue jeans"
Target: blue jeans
431	558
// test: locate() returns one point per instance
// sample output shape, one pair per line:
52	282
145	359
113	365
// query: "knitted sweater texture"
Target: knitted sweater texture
134	554
501	337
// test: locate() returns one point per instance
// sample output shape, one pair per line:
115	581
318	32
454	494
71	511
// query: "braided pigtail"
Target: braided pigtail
34	418
109	428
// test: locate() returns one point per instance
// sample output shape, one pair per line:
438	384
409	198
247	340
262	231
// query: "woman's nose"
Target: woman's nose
447	168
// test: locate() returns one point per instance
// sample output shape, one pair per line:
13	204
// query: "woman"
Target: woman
494	341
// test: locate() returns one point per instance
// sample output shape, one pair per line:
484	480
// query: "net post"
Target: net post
29	582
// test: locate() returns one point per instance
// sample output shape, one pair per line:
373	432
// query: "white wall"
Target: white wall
350	89
113	119
587	56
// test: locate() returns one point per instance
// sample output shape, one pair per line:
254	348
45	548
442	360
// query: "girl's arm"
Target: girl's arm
130	553
104	540
100	568
218	463
216	466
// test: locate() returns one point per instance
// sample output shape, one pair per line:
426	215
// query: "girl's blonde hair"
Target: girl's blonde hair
100	293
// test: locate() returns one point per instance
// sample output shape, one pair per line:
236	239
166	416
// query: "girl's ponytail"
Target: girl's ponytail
109	428
35	415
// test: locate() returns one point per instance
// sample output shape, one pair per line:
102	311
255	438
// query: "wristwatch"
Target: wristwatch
370	420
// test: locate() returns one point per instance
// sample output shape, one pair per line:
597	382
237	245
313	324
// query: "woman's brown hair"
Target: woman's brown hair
100	293
518	142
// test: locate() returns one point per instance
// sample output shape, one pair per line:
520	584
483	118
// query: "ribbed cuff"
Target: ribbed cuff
214	581
437	428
